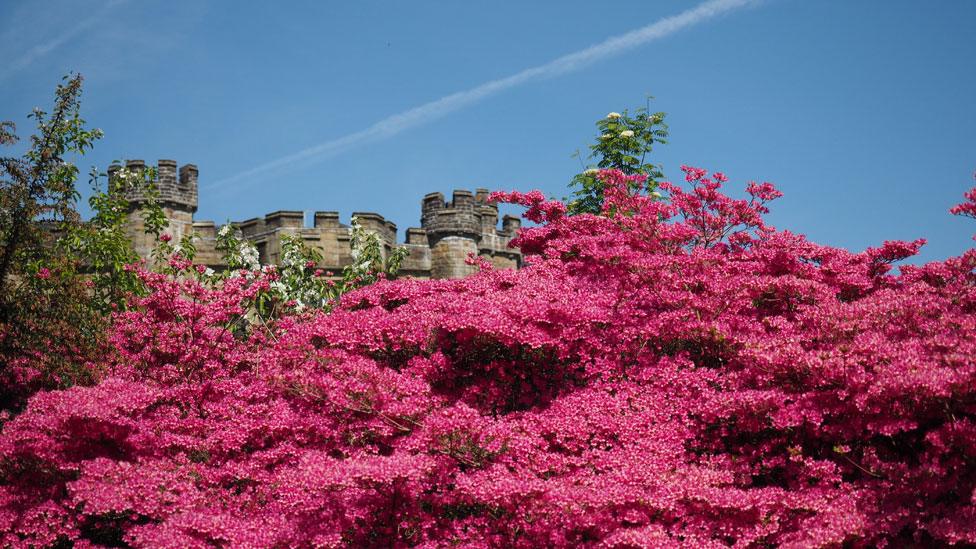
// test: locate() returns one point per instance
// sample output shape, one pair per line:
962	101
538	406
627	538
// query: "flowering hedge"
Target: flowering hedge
669	372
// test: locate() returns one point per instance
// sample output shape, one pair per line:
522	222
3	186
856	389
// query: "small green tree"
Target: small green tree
60	276
48	327
37	190
623	143
101	246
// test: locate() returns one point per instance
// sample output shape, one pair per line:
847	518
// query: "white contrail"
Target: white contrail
438	108
40	50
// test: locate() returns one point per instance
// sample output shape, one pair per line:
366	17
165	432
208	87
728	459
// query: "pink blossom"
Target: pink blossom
667	373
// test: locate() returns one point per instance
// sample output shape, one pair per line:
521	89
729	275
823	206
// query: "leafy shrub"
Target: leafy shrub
50	333
663	373
60	276
623	142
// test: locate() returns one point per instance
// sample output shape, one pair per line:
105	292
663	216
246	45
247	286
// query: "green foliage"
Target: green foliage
48	322
367	256
237	252
102	246
301	284
623	143
60	277
37	189
153	218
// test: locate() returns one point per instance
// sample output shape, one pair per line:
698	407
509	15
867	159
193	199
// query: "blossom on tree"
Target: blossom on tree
665	373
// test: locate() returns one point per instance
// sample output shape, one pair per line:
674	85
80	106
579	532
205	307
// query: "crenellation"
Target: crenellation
489	218
449	232
462	200
251	227
326	220
431	204
375	222
282	219
481	195
206	230
511	224
166	175
416	236
188	176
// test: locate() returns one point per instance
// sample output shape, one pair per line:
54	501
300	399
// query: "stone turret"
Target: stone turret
466	225
177	196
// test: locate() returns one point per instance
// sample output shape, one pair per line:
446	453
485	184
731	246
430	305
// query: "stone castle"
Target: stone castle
448	232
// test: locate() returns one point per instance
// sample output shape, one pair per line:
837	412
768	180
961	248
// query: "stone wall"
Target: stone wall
449	231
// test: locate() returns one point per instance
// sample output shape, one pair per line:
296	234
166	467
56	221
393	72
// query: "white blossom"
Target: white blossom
249	256
613	115
279	286
627	133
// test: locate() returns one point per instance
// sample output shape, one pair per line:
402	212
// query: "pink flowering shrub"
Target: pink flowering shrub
668	373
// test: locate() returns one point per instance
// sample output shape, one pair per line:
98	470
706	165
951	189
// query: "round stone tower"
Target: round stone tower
176	195
453	230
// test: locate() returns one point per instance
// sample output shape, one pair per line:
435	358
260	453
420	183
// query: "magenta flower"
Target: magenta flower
667	373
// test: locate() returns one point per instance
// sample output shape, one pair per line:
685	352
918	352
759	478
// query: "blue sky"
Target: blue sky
862	113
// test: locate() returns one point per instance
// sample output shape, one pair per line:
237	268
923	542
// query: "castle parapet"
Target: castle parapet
378	224
429	206
326	220
450	231
188	178
481	195
511	224
177	197
416	236
467	225
455	218
178	194
251	227
205	229
284	219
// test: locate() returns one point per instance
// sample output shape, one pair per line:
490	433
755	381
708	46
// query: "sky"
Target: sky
861	112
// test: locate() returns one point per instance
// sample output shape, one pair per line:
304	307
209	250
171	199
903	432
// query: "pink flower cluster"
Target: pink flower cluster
669	373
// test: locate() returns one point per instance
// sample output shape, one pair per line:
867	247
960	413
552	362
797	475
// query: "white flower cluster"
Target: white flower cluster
292	258
365	248
124	178
249	256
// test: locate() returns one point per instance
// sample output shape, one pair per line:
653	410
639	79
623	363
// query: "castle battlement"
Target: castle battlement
173	192
466	212
449	231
